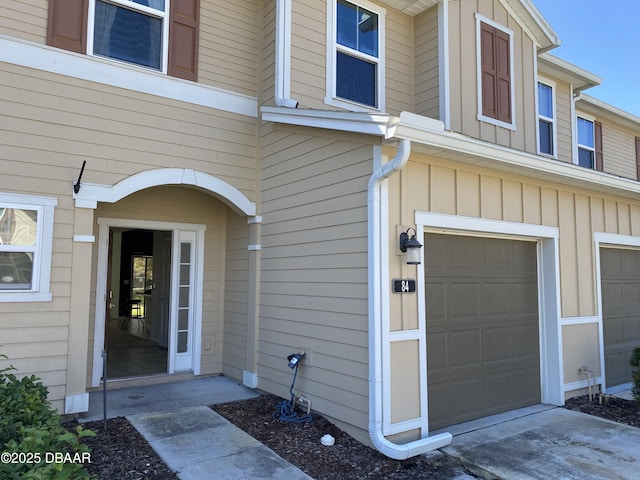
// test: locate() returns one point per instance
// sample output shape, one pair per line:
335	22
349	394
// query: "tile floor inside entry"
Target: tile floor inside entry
131	352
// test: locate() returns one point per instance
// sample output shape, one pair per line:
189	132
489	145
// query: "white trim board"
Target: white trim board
116	74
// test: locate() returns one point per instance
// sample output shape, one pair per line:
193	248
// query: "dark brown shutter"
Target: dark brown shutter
597	129
67	25
503	76
489	75
495	46
638	158
183	39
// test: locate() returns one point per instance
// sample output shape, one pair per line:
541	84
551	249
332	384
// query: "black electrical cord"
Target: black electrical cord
286	410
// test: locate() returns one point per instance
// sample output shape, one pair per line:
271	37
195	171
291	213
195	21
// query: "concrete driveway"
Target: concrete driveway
554	443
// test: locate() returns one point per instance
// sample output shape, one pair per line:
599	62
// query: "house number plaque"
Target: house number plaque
401	285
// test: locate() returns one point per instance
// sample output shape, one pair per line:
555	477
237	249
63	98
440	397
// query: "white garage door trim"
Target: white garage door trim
551	372
602	239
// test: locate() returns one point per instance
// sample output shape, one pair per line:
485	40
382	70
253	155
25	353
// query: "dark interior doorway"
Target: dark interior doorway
137	333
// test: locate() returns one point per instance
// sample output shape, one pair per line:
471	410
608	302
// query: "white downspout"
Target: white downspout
380	442
283	55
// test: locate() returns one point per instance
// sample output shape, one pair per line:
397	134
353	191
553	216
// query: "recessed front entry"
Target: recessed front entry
151	273
483	348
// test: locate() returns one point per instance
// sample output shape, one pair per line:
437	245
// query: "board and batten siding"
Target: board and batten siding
427	98
463	76
313	290
441	186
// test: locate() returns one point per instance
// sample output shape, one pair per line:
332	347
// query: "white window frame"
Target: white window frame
512	84
332	50
578	145
128	4
40	290
554	130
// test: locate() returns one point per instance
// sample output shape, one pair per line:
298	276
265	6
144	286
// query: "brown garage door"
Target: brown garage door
620	273
483	350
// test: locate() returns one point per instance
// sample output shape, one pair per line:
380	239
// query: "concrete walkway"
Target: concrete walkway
199	444
193	440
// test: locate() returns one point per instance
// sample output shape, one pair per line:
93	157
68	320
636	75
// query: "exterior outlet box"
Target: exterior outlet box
304	402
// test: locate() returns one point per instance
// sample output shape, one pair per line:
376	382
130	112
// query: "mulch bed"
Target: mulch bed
299	443
121	453
612	408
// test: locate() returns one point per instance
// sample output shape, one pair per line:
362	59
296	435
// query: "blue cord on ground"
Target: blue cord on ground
286	410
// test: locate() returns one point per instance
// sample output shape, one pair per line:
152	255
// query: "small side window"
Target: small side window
26	231
546	120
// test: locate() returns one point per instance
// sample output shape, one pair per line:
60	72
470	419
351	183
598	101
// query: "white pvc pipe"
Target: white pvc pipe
380	442
283	54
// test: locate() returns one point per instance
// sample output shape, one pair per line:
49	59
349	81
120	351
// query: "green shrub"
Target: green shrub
31	433
635	370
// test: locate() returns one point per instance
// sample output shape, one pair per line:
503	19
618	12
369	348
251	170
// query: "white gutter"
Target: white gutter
380	442
283	55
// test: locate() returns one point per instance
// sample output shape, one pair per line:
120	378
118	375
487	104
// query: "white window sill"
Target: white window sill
9	296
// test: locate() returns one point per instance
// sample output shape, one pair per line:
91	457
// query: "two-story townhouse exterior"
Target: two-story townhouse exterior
250	171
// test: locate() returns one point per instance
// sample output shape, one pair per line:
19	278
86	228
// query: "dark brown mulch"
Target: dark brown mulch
121	453
612	408
299	443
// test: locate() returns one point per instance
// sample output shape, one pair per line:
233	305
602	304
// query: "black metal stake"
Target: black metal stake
104	388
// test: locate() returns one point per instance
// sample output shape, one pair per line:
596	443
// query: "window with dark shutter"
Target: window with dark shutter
183	39
130	33
495	53
67	25
597	129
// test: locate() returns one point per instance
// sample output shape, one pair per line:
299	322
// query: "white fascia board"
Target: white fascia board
380	124
121	75
612	113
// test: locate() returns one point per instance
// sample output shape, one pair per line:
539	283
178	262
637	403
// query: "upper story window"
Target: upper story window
131	31
589	143
141	32
356	78
495	73
26	237
546	119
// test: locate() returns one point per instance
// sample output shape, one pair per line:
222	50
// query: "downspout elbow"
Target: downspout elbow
380	442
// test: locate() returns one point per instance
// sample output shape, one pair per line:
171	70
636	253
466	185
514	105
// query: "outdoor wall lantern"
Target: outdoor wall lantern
410	247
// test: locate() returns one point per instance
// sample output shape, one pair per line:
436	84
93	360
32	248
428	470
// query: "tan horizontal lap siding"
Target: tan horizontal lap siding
314	270
619	150
24	19
228	55
308	53
235	301
427	64
119	132
564	121
399	66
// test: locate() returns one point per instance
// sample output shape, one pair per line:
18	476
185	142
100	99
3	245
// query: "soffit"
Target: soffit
410	7
559	69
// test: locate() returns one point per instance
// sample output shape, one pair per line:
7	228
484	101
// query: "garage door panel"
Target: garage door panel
468	298
490	321
466	348
620	277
